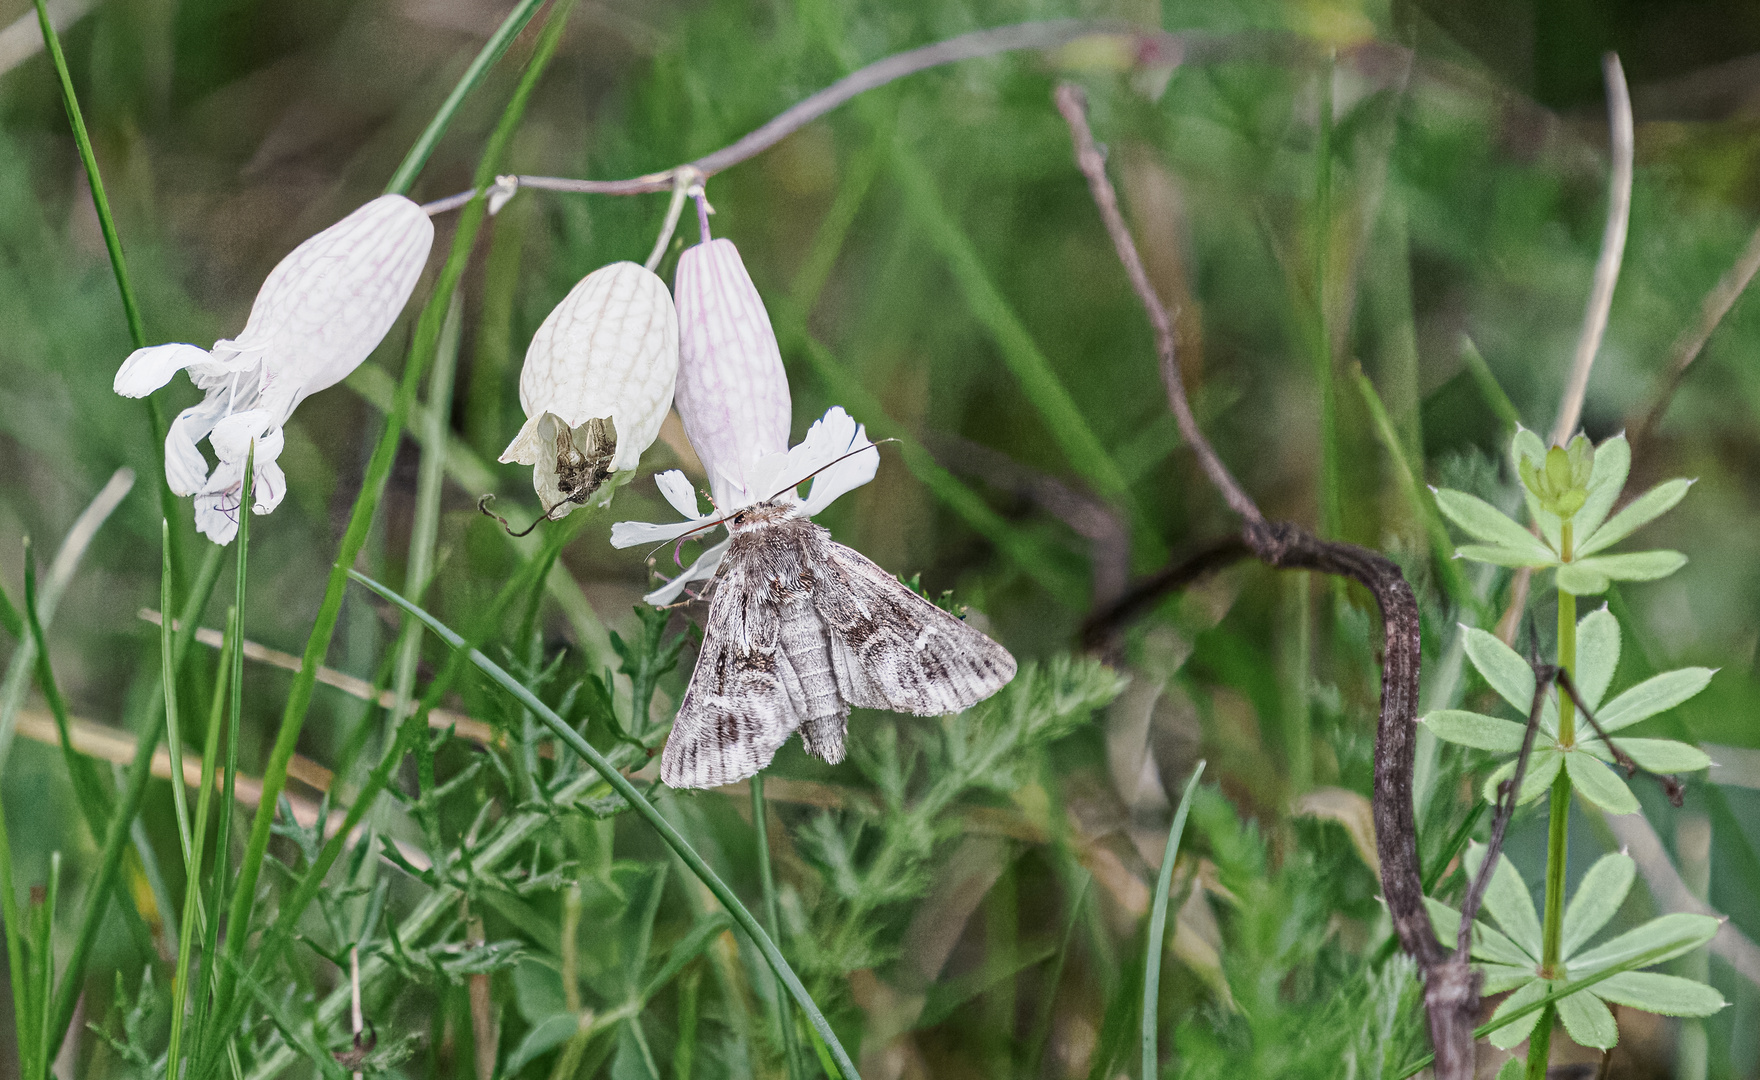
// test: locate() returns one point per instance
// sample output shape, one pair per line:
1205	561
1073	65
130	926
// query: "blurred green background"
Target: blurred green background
1325	192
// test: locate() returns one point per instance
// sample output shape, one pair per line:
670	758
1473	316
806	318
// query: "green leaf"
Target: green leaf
1588	1021
1507	672
1637	566
1482	521
1656	755
1525	445
1643	510
1581	579
1598	896
1498	555
546	1035
1514	1069
1653	695
1543	766
1613	460
1668	937
1502	977
1597	655
1669	995
1504	1038
1597	783
1507	900
1476	730
1487	944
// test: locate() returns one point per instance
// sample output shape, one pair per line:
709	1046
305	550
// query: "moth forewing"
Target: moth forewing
801	629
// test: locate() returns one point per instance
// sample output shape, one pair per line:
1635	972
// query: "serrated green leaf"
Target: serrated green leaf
1487	944
1613	461
1507	900
1476	730
1597	783
1503	977
1504	1038
1597	655
1514	1069
1653	695
1581	579
1598	896
1636	566
1643	510
1679	933
1543	766
1669	995
1507	672
1502	556
1485	522
1658	755
1587	1020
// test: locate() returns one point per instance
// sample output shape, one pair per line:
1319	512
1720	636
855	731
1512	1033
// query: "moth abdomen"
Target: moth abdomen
823	736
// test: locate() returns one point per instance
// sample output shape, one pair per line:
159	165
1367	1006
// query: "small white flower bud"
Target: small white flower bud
596	385
322	310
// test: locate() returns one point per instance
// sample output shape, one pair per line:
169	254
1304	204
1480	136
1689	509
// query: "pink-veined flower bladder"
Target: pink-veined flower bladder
321	311
597	382
734	401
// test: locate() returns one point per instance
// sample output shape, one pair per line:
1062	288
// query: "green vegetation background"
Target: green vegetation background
898	244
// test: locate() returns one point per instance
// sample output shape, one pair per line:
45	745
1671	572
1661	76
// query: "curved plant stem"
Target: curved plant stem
673	838
791	1048
492	50
1158	928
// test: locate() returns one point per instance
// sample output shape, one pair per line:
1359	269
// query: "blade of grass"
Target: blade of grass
45	949
422	351
10	620
1158	928
22	1008
173	724
194	917
779	1019
168	502
492	51
1423	504
1489	388
88	786
1041	1036
676	841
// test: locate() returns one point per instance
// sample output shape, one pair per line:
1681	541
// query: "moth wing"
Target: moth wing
892	649
737	710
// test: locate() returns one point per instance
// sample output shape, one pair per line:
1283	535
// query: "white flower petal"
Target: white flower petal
701	570
527	448
146	370
677	489
831	439
732	391
186	470
635	533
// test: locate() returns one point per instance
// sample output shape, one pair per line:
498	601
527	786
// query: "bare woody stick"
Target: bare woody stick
1451	994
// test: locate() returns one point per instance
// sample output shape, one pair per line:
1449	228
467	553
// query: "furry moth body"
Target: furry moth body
800	630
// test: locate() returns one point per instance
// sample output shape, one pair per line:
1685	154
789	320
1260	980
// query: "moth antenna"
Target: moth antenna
858	450
483	505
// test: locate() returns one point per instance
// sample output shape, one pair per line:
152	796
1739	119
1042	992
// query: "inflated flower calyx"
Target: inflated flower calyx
321	311
597	382
1560	480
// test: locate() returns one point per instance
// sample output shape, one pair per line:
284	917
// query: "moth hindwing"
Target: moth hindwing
800	630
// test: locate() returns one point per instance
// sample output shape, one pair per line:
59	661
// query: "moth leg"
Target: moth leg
823	736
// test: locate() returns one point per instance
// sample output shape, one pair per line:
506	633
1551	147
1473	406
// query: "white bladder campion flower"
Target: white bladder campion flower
733	398
597	382
321	311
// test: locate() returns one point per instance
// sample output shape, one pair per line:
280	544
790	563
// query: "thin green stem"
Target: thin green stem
785	1035
45	947
15	946
1331	510
1158	930
492	51
1558	825
668	833
88	787
173	724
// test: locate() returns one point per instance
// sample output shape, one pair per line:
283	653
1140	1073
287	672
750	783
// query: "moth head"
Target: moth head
757	515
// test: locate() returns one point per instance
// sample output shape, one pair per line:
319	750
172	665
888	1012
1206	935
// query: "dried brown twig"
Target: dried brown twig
1451	992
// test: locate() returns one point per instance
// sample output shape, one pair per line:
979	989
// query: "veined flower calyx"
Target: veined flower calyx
321	311
597	382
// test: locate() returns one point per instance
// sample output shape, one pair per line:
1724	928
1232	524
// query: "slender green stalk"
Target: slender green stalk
422	350
1158	929
97	897
15	949
173	729
1494	396
676	841
88	786
1558	824
131	311
194	915
1331	509
492	51
45	948
1423	504
780	1018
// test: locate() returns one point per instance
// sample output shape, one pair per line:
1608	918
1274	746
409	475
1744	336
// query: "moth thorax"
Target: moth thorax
823	736
580	470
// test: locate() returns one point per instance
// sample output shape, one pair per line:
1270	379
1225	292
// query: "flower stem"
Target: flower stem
1558	832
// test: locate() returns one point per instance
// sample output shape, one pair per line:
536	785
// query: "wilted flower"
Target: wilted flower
596	385
733	398
322	310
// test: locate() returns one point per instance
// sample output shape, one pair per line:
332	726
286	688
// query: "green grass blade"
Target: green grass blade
1158	928
22	1008
422	350
10	620
88	786
1041	1036
785	1034
642	806
1489	388
45	950
173	723
492	51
